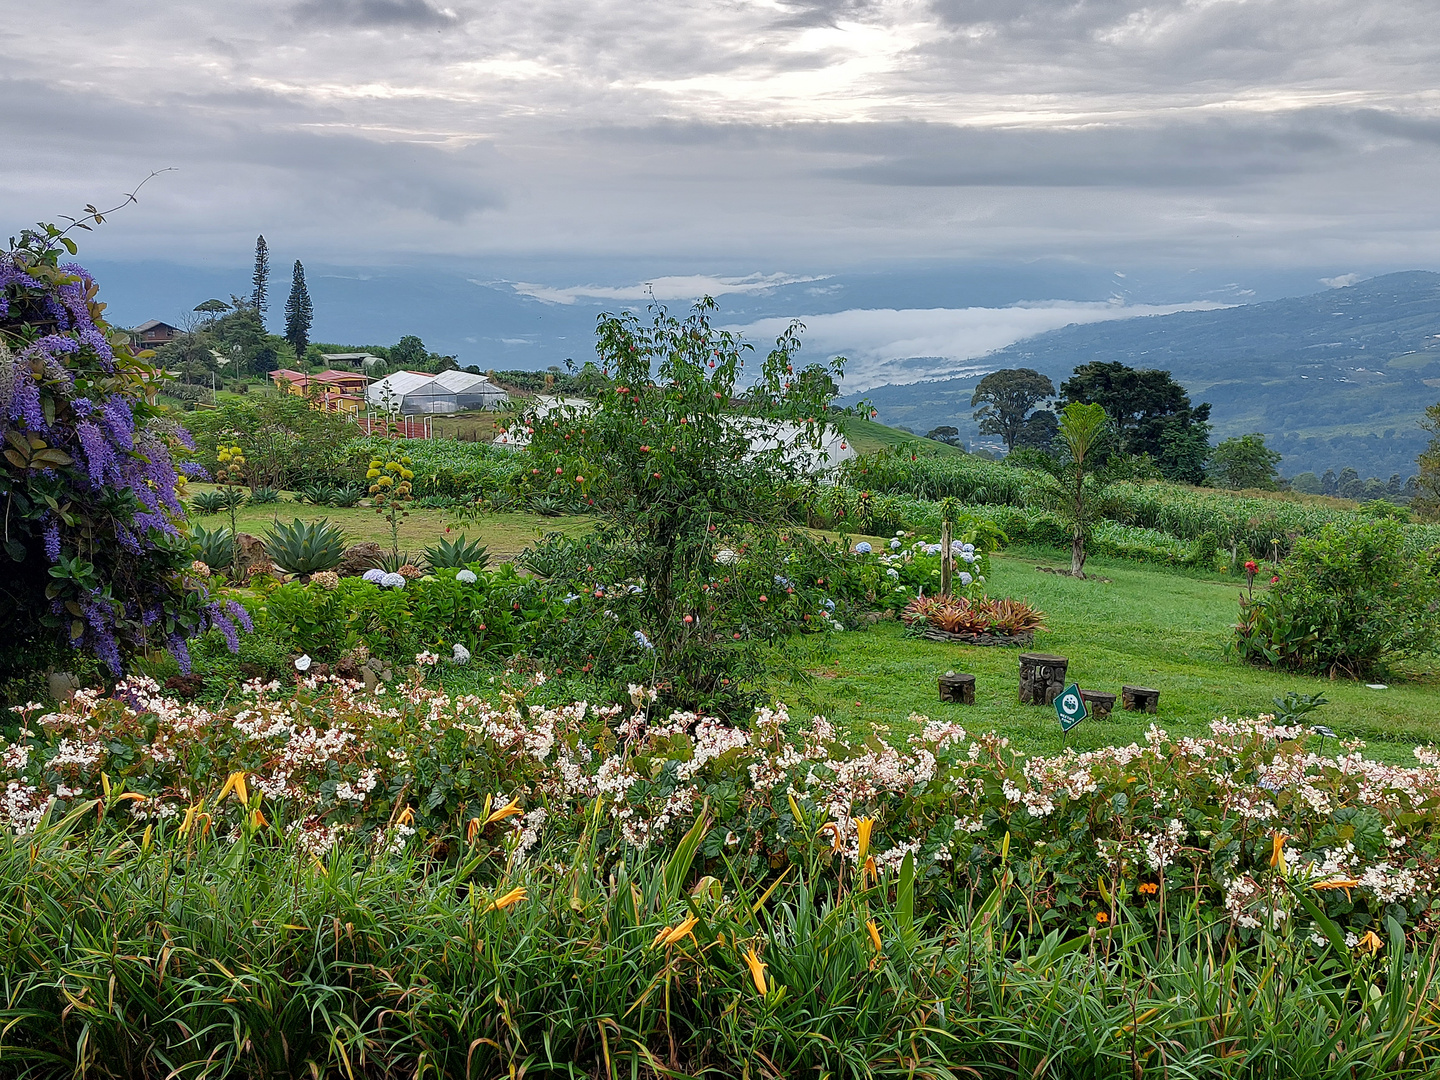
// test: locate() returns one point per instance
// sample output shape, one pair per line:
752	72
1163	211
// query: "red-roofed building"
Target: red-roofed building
333	391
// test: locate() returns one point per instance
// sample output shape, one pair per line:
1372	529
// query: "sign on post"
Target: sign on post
1070	708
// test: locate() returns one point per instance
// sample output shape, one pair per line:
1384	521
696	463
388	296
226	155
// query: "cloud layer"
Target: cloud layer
784	133
900	346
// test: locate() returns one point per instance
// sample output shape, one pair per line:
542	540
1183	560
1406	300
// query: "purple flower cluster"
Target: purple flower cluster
115	452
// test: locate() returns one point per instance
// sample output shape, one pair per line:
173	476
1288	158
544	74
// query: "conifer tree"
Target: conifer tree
259	295
299	313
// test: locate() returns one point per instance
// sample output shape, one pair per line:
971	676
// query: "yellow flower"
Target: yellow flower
405	817
235	783
874	934
672	934
757	970
514	896
863	827
510	809
1277	851
1370	942
372	474
385	482
1339	883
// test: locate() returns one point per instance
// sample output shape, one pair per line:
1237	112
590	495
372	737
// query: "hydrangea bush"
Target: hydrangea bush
93	546
1249	826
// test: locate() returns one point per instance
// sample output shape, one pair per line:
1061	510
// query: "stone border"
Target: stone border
1026	637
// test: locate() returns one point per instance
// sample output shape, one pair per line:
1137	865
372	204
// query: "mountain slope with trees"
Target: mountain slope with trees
1334	379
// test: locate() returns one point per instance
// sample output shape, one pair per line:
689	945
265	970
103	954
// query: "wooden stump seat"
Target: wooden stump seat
1140	698
957	688
1098	703
1042	678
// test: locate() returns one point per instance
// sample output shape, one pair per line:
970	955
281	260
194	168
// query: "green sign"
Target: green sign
1070	707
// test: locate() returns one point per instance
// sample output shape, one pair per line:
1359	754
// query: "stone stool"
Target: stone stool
957	688
1098	703
1042	678
1140	698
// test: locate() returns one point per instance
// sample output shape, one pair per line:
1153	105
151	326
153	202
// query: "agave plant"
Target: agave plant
208	502
315	494
263	496
547	505
214	547
458	552
305	547
349	495
392	561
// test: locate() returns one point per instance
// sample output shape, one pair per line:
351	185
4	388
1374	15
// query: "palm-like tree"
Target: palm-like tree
1072	486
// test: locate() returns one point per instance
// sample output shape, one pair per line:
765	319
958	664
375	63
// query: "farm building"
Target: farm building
412	393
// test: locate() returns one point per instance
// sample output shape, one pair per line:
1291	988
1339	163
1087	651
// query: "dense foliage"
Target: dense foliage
1346	601
681	468
93	549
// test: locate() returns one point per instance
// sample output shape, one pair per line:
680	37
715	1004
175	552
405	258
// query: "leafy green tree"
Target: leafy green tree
1349	485
299	312
1329	483
1075	486
1244	462
682	464
1427	481
1151	414
946	434
260	279
1307	483
1006	398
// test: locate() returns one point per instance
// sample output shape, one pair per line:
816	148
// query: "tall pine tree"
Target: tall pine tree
298	313
260	280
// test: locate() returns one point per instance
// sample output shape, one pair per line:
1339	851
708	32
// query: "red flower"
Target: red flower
1251	567
1275	580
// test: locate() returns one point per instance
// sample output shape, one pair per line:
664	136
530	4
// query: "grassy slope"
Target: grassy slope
1147	627
868	437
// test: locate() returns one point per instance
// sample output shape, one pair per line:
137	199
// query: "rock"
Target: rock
358	558
62	686
252	554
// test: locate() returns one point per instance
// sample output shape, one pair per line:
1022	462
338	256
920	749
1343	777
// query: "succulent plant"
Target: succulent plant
304	547
316	494
263	496
214	547
455	553
349	495
208	502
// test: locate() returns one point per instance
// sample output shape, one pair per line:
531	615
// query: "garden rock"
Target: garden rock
358	558
251	554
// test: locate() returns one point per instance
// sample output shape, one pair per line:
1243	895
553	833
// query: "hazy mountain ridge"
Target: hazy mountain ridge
1335	378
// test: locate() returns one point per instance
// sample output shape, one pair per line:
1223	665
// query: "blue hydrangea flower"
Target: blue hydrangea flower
393	581
965	579
375	577
894	545
643	641
862	548
465	577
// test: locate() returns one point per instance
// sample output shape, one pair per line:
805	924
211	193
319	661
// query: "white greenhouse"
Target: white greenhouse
415	393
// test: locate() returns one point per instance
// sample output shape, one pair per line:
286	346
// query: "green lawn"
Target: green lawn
1147	626
506	535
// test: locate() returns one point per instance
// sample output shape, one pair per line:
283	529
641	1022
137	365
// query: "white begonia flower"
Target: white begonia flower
302	664
466	577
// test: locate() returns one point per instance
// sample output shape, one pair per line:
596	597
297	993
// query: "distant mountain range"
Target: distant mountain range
1334	379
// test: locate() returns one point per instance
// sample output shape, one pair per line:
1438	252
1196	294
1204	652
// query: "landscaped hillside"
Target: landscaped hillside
1332	379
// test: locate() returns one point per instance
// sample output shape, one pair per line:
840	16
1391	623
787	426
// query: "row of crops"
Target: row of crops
1216	521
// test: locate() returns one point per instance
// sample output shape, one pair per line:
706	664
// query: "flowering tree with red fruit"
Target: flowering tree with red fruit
682	455
93	555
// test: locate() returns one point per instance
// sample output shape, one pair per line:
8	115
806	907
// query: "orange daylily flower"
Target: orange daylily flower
757	970
1370	942
510	809
514	896
670	935
1277	851
863	828
874	934
1339	883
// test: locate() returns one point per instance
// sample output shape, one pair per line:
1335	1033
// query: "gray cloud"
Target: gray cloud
375	13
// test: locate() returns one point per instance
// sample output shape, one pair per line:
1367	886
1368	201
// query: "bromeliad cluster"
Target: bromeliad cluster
89	480
1247	825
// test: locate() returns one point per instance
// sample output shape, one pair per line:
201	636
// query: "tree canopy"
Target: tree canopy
1006	399
1244	462
1151	414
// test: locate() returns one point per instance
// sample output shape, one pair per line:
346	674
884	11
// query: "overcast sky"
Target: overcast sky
741	137
1220	131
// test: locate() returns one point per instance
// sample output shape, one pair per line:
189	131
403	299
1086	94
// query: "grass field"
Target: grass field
1145	627
868	437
